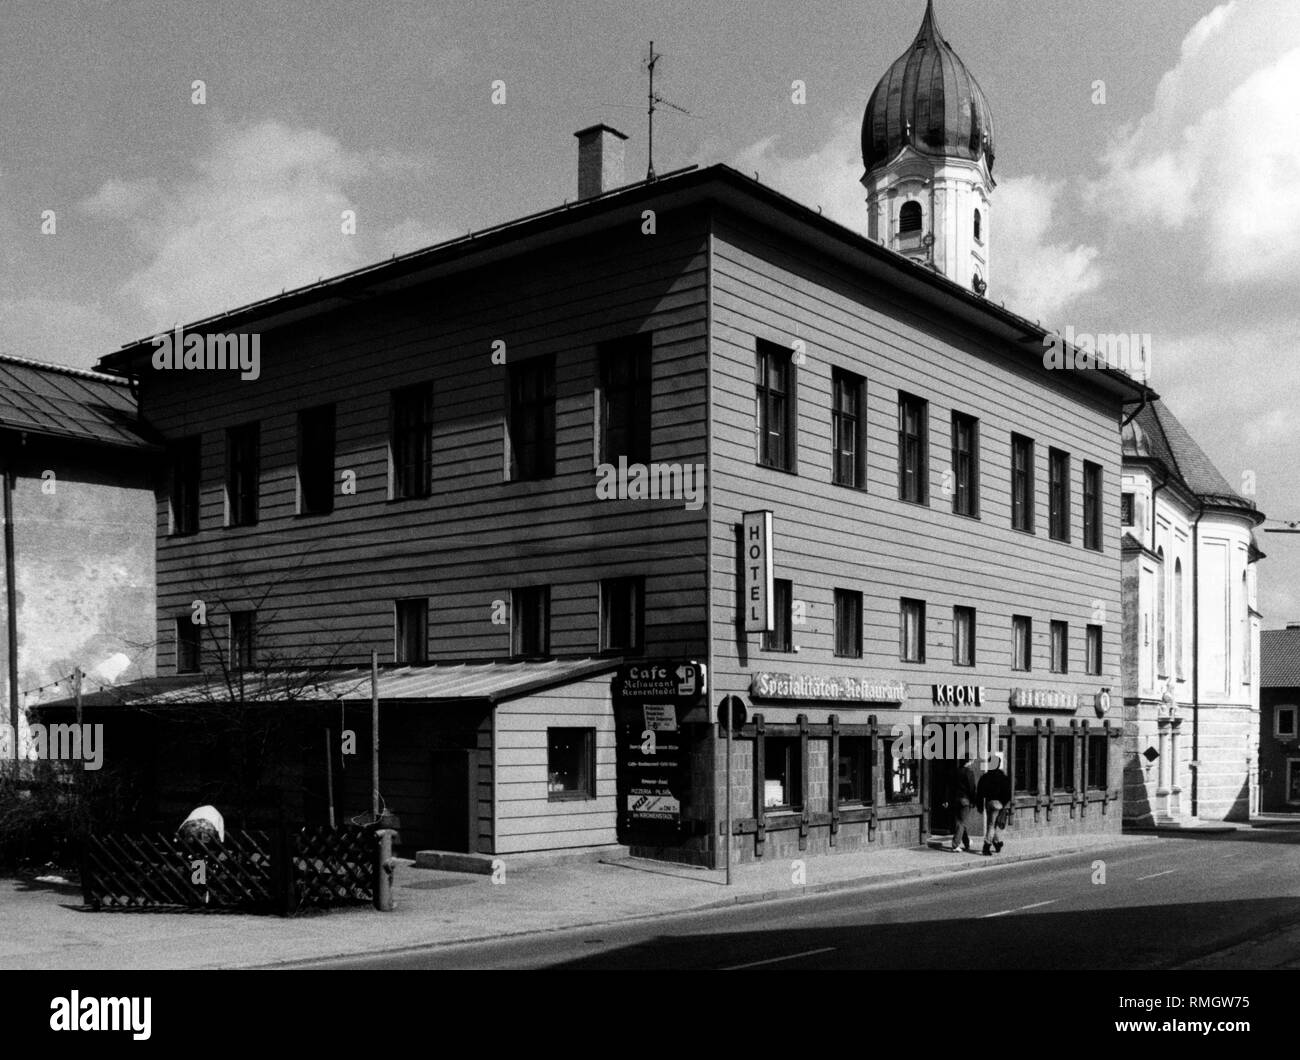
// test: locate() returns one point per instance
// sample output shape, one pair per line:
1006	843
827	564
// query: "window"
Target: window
1178	618
1058	471
622	614
1162	632
570	764
1022	483
412	441
243	640
1092	662
1022	631
849	428
782	773
775	388
780	637
913	449
853	771
909	218
625	381
1126	509
1092	506
911	633
241	475
1024	780
1284	722
188	633
848	624
316	460
1098	773
531	422
412	626
978	220
902	775
963	636
1062	761
965	465
530	617
185	468
1060	647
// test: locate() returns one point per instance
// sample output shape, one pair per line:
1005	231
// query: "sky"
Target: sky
1148	162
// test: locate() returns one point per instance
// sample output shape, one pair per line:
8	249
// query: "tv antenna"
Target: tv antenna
1287	527
656	99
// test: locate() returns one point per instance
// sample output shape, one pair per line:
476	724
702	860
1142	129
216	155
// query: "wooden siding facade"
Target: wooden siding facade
709	285
770	289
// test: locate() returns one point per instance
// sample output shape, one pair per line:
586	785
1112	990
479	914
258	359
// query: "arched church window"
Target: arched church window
978	219
1162	667
1178	618
909	218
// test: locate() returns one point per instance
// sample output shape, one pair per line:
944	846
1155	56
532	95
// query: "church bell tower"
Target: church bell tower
927	144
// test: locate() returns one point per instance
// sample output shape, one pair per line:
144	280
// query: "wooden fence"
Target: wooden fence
267	872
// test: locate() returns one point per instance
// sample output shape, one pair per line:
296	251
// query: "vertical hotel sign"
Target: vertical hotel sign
756	580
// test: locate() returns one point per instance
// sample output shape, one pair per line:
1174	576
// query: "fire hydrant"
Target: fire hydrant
385	866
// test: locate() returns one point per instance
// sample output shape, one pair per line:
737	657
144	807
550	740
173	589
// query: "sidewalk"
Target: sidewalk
42	925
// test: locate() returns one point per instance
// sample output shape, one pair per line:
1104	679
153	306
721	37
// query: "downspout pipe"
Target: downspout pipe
1196	657
11	590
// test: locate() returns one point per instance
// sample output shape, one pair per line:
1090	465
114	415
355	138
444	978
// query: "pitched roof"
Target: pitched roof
1156	433
486	682
717	184
1279	658
58	401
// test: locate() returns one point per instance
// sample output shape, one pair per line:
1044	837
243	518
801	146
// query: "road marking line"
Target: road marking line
1020	908
1155	874
774	960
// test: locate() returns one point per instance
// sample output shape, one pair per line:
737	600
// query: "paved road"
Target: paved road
1161	905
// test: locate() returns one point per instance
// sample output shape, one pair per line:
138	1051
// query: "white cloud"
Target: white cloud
119	199
1217	155
827	178
1036	277
262	213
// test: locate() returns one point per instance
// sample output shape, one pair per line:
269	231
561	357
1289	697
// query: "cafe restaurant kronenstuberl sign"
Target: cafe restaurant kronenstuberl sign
651	770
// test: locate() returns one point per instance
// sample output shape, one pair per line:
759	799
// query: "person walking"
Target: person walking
994	794
962	793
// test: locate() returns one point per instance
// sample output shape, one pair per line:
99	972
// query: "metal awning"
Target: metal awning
488	683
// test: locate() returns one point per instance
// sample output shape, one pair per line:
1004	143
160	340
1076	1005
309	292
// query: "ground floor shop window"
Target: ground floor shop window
854	770
902	778
782	774
570	764
1098	763
1025	778
1062	762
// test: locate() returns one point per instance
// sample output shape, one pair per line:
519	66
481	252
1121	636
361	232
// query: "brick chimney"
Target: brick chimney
600	160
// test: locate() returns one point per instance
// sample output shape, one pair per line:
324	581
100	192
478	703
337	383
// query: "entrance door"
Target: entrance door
451	799
942	773
943	760
1293	781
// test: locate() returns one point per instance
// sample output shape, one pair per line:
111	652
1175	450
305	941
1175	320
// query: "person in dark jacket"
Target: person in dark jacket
962	793
993	793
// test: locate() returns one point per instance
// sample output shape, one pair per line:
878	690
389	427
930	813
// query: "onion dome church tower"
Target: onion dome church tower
927	144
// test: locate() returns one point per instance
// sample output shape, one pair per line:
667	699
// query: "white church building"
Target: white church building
1191	630
1189	669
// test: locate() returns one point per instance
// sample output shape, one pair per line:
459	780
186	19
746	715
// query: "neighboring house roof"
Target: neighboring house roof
57	401
487	682
716	184
1155	433
1279	658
